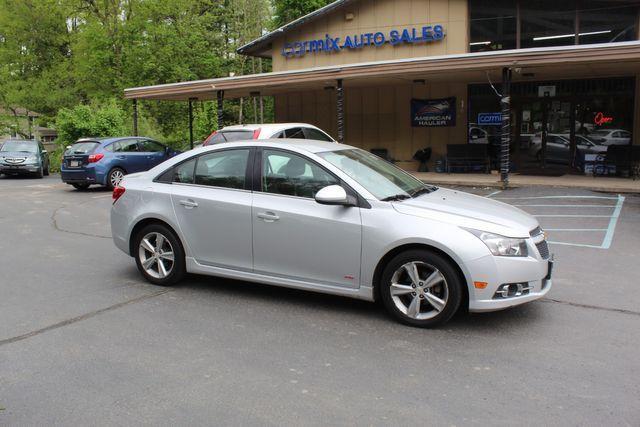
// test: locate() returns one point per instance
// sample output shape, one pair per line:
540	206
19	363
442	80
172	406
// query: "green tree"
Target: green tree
289	10
103	119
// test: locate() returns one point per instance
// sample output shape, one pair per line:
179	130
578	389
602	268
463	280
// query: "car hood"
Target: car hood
470	211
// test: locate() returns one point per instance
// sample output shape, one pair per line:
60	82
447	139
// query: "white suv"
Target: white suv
267	131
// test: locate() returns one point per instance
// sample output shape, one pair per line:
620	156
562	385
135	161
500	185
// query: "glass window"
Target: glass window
294	133
547	23
183	173
604	22
83	147
126	146
311	133
148	145
379	177
293	175
227	168
493	25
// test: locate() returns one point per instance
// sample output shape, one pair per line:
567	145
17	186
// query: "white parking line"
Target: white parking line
609	230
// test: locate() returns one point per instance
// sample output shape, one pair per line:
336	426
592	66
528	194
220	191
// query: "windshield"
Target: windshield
20	146
380	178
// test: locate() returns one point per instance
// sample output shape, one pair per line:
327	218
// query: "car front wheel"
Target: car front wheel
159	255
421	288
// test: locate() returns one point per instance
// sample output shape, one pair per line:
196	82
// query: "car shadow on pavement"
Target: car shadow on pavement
246	292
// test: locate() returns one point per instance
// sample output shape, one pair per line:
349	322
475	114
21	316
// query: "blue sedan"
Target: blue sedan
104	161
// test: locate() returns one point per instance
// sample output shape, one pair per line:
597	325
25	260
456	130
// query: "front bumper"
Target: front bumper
532	273
16	169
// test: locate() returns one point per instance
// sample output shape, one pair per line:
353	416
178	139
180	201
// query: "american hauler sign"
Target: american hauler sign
433	112
330	44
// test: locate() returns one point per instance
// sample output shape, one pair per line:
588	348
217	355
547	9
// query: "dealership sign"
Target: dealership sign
433	112
329	44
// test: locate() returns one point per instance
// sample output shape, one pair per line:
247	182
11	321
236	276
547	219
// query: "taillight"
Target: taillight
208	140
256	133
117	193
93	158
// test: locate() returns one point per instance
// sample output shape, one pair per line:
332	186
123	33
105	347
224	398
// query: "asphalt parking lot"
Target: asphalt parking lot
83	339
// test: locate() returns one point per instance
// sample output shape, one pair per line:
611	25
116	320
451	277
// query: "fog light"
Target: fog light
512	290
480	285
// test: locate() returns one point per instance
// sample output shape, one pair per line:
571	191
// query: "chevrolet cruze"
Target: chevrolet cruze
329	218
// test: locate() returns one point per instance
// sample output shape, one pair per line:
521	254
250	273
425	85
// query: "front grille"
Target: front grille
543	248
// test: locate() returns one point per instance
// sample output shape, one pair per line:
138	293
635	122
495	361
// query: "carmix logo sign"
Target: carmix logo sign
330	44
433	112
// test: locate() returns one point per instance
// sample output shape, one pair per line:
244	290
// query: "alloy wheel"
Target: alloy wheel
115	177
419	290
156	255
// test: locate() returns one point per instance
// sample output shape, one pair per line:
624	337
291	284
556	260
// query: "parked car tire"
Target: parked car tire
114	177
80	187
421	288
46	171
40	173
159	255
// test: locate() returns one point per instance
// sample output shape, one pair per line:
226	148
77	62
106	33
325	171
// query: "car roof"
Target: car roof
107	139
308	145
267	126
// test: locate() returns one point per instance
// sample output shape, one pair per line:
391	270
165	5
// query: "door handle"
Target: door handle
189	204
268	216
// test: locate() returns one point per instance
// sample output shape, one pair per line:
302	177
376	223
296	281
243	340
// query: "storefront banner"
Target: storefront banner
433	112
330	44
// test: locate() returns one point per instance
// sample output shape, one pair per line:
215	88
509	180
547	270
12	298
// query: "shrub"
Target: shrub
95	120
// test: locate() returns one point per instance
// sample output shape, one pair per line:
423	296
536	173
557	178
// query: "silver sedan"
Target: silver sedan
335	219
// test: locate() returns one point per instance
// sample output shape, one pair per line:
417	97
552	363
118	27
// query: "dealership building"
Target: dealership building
399	76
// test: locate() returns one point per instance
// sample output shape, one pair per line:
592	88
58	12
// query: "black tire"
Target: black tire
80	187
451	287
46	171
178	267
110	177
40	173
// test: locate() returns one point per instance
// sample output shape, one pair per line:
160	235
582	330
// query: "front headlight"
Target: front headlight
502	246
31	159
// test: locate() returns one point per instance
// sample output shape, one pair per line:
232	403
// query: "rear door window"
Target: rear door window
226	168
126	146
294	133
316	134
183	173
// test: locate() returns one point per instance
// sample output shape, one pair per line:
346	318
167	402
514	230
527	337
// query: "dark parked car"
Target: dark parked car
104	161
22	156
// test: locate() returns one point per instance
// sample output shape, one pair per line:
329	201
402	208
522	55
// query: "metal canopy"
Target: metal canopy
546	63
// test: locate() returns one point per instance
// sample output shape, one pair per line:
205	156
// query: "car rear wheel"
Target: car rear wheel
114	178
159	255
421	288
80	187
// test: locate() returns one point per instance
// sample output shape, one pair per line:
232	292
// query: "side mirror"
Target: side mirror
334	195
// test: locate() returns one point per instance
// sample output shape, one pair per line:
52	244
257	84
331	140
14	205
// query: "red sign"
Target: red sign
601	119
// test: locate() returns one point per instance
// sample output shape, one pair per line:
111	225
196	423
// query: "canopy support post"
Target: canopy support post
505	146
135	117
220	96
340	111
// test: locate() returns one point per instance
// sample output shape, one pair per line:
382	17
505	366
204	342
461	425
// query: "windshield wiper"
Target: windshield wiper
423	190
396	197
